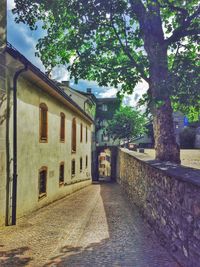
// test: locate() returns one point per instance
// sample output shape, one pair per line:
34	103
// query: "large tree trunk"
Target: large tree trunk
159	84
149	18
165	141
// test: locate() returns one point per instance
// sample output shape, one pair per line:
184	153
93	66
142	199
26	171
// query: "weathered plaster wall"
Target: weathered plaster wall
169	198
32	154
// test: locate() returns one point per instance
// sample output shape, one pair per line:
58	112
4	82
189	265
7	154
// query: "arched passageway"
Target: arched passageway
105	169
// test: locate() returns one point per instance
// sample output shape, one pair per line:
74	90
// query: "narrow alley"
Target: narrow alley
92	227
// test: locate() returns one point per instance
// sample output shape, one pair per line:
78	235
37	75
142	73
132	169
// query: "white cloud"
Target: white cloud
140	89
110	92
60	73
10	4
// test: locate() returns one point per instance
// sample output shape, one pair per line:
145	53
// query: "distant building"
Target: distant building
180	121
146	140
197	138
104	160
106	108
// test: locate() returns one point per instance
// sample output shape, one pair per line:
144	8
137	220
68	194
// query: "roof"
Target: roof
17	55
91	95
108	99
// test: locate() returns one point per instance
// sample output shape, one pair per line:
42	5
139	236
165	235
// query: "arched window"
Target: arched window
73	168
43	122
74	135
62	127
86	134
42	183
61	173
81	164
81	133
86	162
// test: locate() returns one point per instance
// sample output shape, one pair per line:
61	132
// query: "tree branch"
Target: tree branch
183	30
181	10
177	35
132	60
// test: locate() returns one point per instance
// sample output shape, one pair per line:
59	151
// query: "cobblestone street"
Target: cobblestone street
92	227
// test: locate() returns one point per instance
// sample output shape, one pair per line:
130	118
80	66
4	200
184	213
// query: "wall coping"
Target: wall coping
183	173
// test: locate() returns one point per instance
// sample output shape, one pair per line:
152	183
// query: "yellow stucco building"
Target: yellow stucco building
45	138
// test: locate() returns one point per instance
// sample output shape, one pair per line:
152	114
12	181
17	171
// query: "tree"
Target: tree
186	95
126	124
121	42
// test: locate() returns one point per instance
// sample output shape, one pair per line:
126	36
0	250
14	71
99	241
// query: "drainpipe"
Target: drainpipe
14	185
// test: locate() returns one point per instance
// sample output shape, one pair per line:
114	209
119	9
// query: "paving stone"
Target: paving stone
95	226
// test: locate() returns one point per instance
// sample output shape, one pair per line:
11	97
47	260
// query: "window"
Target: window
73	167
104	107
105	138
86	134
81	164
43	123
74	135
42	182
81	133
86	162
62	127
61	173
176	125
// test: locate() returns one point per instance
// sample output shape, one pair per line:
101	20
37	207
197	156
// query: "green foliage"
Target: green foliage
187	138
110	41
185	76
126	124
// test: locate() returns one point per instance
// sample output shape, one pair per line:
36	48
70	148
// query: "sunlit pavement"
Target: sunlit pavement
93	227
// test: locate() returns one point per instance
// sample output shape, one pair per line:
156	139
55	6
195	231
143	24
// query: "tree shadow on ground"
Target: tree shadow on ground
14	257
129	243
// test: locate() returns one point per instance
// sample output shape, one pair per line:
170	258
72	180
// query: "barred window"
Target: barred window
42	182
61	173
43	122
62	127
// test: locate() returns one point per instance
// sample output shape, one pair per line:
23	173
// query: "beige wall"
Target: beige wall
32	154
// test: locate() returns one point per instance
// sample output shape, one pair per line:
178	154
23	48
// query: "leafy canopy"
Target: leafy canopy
126	124
106	40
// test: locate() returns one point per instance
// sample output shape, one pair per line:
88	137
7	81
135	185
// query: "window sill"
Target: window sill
76	181
61	184
41	196
43	141
73	151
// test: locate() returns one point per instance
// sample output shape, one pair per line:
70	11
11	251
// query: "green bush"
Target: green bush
187	138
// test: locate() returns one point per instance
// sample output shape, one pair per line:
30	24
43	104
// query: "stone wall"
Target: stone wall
169	198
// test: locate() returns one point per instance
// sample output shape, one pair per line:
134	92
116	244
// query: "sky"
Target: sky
25	40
